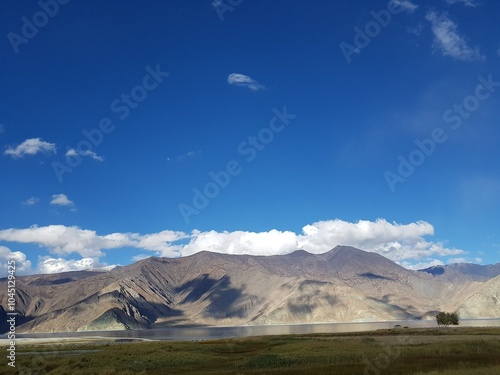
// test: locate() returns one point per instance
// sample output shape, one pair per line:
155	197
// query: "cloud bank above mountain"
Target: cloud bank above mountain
404	243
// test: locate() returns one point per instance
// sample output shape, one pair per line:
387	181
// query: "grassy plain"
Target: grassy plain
443	351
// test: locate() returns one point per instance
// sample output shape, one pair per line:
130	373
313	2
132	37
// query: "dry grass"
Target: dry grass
414	351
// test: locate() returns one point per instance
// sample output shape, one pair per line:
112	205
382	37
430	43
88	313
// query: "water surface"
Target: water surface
207	333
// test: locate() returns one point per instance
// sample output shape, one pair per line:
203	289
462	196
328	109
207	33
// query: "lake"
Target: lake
207	333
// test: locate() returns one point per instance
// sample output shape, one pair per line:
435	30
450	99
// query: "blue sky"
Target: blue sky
131	129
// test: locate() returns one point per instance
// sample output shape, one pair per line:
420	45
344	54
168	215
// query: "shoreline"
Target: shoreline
201	333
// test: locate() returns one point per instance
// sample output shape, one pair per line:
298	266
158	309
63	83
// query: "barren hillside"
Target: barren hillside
342	285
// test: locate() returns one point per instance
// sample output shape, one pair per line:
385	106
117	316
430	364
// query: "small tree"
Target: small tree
446	319
453	317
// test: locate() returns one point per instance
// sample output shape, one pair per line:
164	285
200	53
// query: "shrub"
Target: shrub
446	319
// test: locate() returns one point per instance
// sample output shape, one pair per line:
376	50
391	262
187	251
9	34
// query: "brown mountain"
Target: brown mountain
473	272
342	285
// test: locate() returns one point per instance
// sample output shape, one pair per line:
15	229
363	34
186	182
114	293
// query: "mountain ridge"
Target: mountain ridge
473	271
342	285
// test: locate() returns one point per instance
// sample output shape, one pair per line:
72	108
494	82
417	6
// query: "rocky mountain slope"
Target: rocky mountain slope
342	285
461	271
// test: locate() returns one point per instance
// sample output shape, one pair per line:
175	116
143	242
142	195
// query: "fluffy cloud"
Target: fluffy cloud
31	201
449	41
63	240
406	5
386	238
402	243
161	242
53	265
91	154
426	263
468	3
23	266
394	241
244	81
61	200
262	243
31	146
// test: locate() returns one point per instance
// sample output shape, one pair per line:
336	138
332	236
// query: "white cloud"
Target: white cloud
402	243
422	265
63	240
31	146
244	81
54	265
262	243
397	242
186	156
92	154
23	266
449	41
31	201
60	239
61	200
379	236
469	3
160	242
406	5
2	128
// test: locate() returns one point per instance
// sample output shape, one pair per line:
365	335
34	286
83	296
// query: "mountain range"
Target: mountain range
343	285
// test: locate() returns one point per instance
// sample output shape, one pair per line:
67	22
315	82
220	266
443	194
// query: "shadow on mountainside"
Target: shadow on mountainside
374	276
225	300
394	309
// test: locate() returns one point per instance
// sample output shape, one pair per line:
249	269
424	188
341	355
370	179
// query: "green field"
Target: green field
473	351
